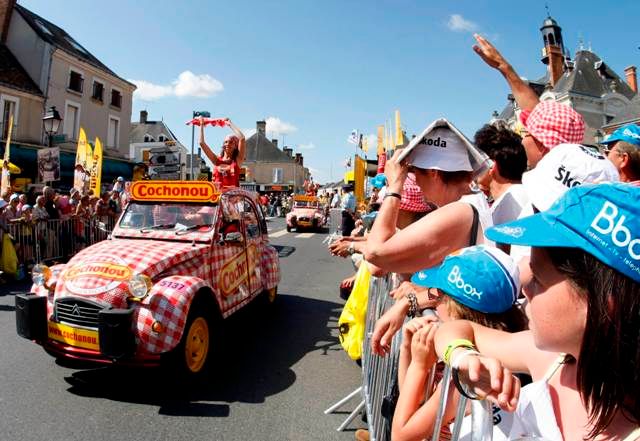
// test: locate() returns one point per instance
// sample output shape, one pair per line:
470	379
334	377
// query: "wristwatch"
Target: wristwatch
351	249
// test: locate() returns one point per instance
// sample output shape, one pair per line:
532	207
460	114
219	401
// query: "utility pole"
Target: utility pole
196	113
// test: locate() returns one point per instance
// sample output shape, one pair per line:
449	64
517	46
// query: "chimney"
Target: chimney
288	151
143	114
632	78
556	64
298	158
274	142
261	127
6	9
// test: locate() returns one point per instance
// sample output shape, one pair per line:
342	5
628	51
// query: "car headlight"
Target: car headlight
40	274
139	286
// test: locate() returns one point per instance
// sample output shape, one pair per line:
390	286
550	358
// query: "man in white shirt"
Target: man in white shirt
503	181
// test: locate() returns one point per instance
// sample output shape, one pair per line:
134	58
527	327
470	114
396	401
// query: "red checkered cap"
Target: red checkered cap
553	123
412	199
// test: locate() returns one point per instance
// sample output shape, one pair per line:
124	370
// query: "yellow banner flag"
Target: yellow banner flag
399	137
380	140
96	169
80	174
359	175
5	182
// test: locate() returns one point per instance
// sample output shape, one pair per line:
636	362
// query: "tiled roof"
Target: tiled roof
260	149
13	75
59	38
591	76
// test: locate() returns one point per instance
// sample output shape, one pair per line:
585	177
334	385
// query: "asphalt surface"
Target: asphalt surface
280	370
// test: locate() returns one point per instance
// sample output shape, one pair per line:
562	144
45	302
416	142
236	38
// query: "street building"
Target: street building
584	82
44	66
267	168
155	145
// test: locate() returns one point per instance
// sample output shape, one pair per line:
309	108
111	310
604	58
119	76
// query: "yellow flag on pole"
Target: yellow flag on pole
399	137
80	174
5	182
96	169
380	140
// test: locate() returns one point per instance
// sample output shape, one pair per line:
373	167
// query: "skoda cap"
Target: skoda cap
564	167
599	219
480	277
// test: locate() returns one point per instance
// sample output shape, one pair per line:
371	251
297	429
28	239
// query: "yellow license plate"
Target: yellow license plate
304	223
81	338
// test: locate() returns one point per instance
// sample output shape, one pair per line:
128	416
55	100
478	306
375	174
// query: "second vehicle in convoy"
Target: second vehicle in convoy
306	213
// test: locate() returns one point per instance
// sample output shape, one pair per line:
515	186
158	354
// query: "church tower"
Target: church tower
553	49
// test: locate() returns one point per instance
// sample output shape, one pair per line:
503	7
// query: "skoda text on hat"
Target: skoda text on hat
553	123
482	278
629	133
441	146
603	220
565	167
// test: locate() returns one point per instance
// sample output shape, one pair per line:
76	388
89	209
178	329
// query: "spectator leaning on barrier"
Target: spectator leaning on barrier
547	123
443	174
623	149
492	303
11	211
503	181
49	205
583	346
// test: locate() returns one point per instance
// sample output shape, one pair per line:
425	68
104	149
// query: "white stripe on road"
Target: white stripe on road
304	235
278	233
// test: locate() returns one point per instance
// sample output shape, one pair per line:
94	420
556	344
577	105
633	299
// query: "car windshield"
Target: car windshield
168	217
306	204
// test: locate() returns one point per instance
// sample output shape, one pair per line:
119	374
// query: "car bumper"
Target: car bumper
112	342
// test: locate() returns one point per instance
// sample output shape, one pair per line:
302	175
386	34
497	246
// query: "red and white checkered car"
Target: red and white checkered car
306	212
159	287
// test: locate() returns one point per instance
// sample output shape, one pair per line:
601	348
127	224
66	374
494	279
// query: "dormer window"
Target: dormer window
162	138
148	138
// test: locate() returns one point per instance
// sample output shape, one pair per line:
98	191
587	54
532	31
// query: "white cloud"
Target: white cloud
199	86
187	84
307	146
278	127
458	23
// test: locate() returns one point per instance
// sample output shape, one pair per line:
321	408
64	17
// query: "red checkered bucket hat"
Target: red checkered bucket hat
412	199
553	123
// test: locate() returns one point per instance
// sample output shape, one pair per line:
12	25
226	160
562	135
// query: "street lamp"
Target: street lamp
51	123
196	114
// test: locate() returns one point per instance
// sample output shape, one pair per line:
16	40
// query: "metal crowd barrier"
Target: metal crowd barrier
57	239
335	219
379	378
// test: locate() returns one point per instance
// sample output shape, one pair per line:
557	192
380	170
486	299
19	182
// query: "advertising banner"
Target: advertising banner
49	165
95	172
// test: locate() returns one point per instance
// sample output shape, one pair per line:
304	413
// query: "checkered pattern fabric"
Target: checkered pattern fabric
412	199
179	271
553	123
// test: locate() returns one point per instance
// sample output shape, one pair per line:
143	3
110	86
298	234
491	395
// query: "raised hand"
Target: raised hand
489	53
423	351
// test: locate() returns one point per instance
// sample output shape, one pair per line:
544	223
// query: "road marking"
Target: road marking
305	235
278	233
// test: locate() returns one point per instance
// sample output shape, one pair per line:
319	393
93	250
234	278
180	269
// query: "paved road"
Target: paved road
283	370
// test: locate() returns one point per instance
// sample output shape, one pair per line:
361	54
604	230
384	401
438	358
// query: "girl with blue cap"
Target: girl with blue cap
479	284
583	347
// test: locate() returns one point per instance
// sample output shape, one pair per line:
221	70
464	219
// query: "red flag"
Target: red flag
208	122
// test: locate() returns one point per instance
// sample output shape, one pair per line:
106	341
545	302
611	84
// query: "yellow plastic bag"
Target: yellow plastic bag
9	256
351	324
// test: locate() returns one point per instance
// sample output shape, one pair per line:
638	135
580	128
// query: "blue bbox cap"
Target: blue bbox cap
482	278
600	219
629	133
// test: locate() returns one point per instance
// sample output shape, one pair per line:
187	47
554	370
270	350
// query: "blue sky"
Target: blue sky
323	68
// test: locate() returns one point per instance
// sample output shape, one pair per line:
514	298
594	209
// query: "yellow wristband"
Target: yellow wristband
455	344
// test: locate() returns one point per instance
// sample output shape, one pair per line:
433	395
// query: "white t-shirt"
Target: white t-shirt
479	201
518	252
509	205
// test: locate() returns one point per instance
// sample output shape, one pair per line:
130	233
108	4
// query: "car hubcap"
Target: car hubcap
197	345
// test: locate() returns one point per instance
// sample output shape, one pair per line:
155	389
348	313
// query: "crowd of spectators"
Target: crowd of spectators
548	227
26	216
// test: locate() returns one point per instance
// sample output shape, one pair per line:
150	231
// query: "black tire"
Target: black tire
288	229
268	298
179	361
